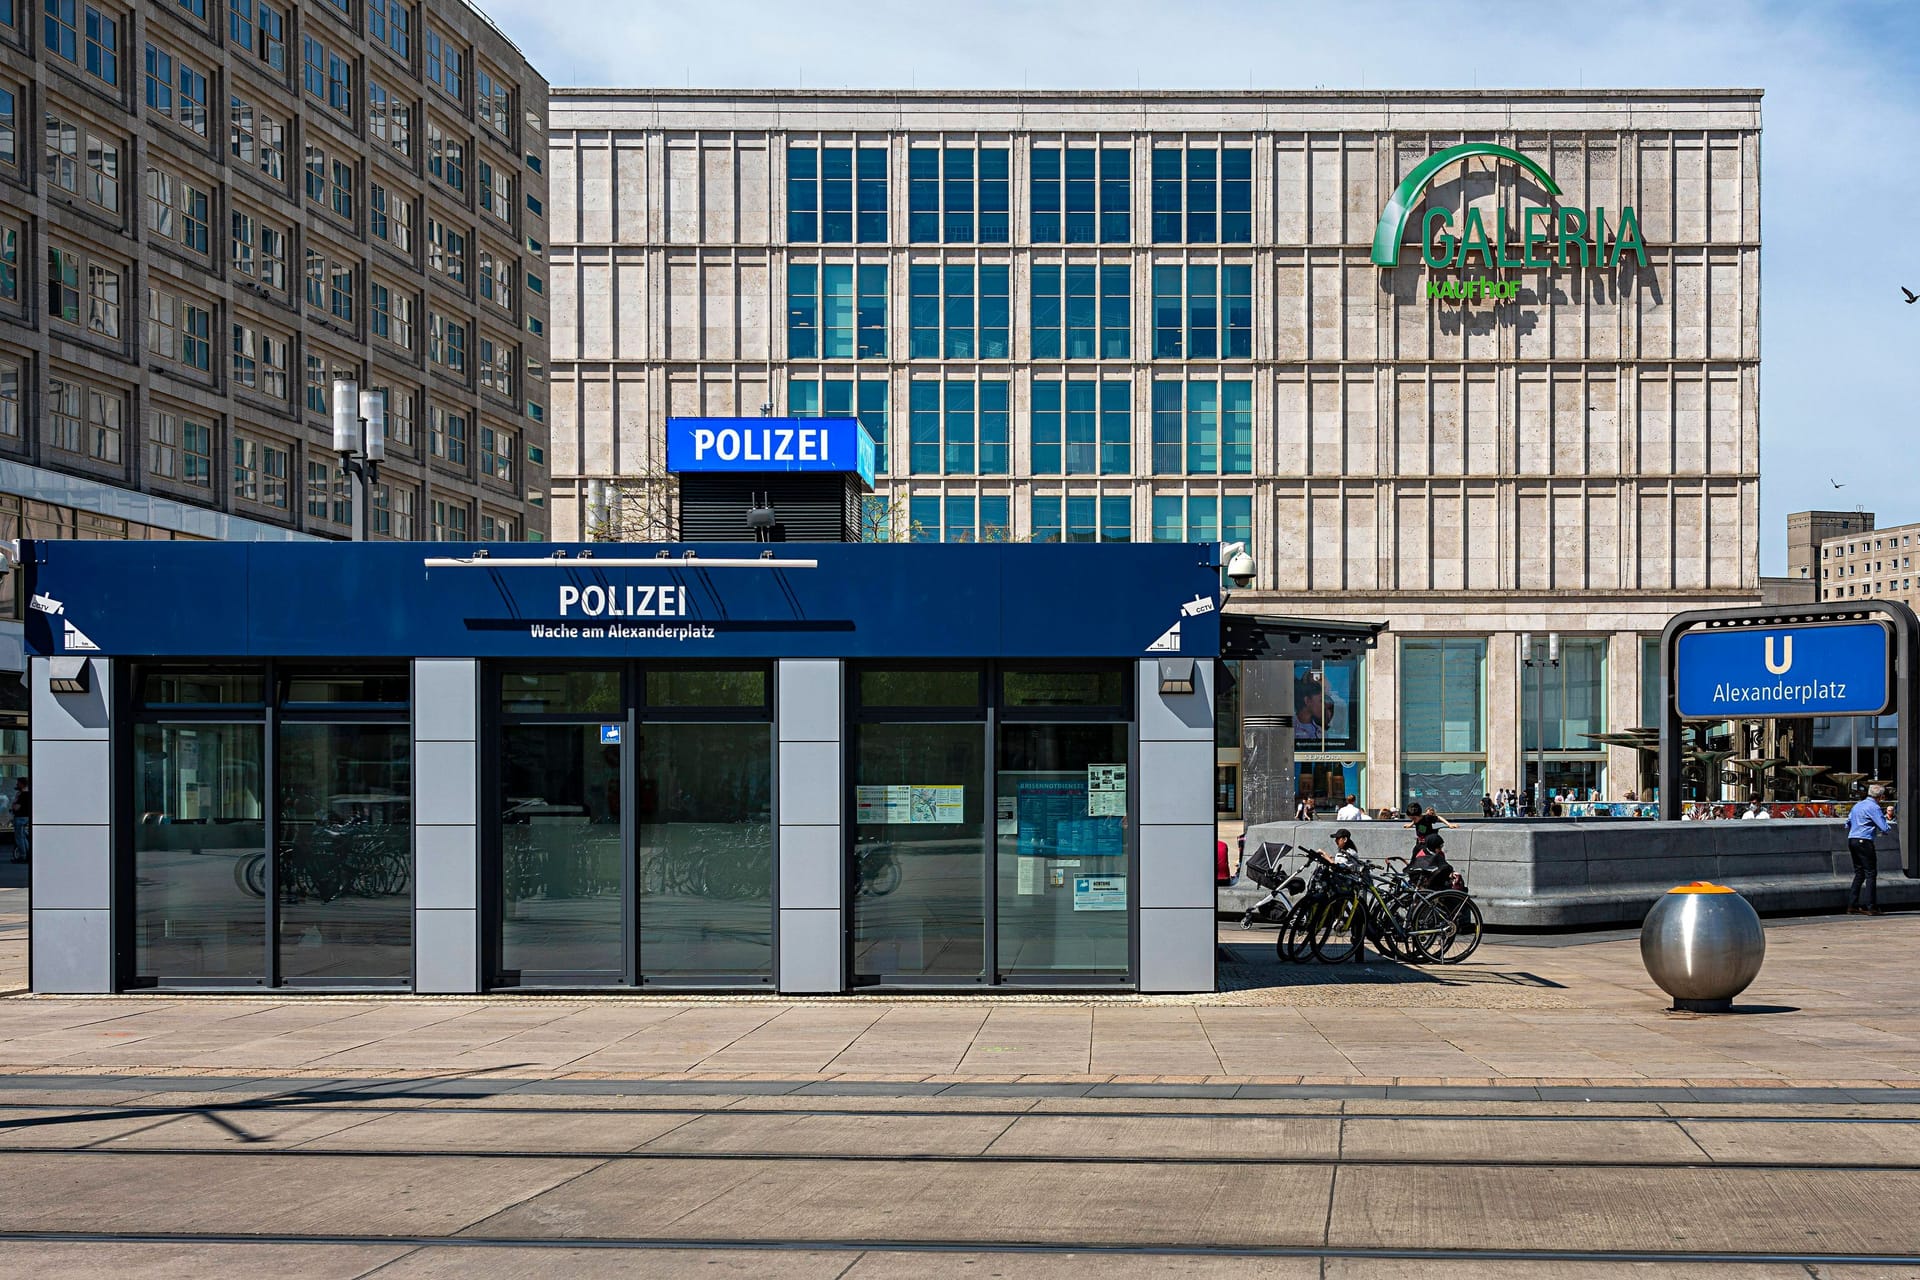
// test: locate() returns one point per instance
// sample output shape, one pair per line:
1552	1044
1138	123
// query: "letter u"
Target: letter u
1786	661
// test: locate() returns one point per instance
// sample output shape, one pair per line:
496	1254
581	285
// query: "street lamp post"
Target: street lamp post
360	438
1527	660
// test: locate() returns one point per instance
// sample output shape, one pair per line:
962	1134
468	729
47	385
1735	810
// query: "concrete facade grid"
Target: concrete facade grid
147	380
1869	564
1584	460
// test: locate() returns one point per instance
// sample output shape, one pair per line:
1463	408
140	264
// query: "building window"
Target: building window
9	128
446	251
1081	195
1572	698
495	528
448	438
497	453
405	504
313	67
389	118
191	110
496	192
179	448
159	81
316	171
443	64
449	344
178	330
449	521
62	37
1217	186
1202	517
103	282
103	46
9	398
257	138
340	292
259	362
66	425
1329	725
343	190
340	84
1081	311
390	22
958	428
1082	517
492	101
1082	427
845	398
10	237
63	284
496	281
1443	723
947	318
836	195
446	158
259	251
945	188
260	472
177	211
497	362
959	517
400	406
390	218
1203	428
391	314
824	319
95	175
319	382
104	429
329	496
1211	320
271	48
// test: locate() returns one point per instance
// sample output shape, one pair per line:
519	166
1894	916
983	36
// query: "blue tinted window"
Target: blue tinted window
1083	428
803	311
803	194
872	316
1044	452
1203	428
1203	194
1168	328
1046	517
1116	428
996	520
836	195
1169	517
803	398
1044	311
1236	196
1236	428
1080	311
996	309
923	312
996	429
923	429
995	201
957	196
871	201
1083	516
1116	195
1166	196
923	195
836	307
1079	195
872	412
825	202
1203	518
1236	312
1044	195
1203	313
1116	518
1082	222
1116	312
959	513
957	312
1168	428
1236	518
923	515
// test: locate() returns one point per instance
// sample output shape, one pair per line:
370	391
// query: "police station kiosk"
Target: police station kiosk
766	759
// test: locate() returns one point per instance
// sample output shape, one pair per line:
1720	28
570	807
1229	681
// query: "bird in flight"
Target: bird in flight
1912	297
1835	483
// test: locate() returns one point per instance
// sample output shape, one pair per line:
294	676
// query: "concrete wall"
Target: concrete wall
1572	874
72	772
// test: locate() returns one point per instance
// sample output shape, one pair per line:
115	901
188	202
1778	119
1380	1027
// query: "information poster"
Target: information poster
1052	813
1106	791
1006	816
908	804
1099	893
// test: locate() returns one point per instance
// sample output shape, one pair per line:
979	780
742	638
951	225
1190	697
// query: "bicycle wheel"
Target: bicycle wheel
1294	943
1460	917
1427	929
1338	936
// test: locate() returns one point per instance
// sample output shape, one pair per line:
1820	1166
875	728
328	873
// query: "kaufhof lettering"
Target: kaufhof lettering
630	601
1809	692
761	444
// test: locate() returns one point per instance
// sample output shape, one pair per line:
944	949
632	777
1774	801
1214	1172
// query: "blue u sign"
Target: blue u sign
1826	670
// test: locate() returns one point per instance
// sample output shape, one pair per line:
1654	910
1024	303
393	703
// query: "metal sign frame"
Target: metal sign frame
1905	690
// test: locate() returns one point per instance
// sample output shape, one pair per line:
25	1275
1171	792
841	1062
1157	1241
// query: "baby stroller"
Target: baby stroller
1263	867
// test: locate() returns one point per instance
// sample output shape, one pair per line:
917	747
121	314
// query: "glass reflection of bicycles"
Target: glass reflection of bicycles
323	863
876	870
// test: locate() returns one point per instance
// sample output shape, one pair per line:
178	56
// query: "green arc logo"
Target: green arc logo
1392	227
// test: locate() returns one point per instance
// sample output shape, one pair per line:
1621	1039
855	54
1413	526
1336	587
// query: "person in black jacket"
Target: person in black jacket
22	821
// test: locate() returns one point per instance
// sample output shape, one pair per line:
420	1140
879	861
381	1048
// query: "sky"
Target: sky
1840	143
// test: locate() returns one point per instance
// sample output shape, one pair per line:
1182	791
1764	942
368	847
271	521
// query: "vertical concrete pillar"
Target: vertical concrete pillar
1383	725
1174	792
810	846
446	825
1267	776
1624	693
71	769
1506	757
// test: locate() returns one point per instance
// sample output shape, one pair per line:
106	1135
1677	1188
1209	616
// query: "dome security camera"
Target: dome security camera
1239	564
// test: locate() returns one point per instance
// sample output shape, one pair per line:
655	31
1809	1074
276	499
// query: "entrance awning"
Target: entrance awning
1250	636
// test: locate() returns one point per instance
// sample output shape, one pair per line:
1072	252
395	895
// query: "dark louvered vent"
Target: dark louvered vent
717	507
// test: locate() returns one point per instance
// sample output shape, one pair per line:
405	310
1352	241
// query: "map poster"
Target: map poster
905	804
1099	893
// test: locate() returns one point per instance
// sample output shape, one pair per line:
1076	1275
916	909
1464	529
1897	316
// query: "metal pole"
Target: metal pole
1539	740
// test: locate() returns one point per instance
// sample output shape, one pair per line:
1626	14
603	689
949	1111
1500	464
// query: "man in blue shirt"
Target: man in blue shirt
1866	820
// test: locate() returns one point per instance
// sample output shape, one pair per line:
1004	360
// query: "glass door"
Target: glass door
563	855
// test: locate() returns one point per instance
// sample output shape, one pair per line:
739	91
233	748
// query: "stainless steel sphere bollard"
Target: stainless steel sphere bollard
1703	944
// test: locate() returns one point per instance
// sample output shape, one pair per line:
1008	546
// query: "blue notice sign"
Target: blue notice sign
838	445
610	735
1824	670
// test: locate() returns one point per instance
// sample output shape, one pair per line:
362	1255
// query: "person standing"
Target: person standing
22	821
1350	812
1865	821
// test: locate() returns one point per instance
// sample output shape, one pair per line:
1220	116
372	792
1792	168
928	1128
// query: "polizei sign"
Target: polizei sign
839	445
1543	238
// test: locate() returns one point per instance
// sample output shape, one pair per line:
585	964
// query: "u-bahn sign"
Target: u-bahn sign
1820	670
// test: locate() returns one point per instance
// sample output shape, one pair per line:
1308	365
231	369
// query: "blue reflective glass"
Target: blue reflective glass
1116	518
923	517
1046	517
996	309
923	428
957	312
803	315
960	426
1203	428
1236	428
1044	306
1116	195
996	428
960	527
1203	314
873	416
1203	519
1166	196
803	398
1169	518
923	312
1236	288
995	224
1044	451
1083	512
1082	312
957	194
1044	195
1168	431
836	306
836	195
1236	518
803	194
1236	196
873	311
996	523
1168	318
1116	312
1082	212
872	195
1116	428
1202	194
923	195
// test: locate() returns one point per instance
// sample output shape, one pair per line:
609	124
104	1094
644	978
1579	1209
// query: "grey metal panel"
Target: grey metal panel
808	700
810	951
72	716
810	784
444	787
72	782
72	867
1175	717
811	867
1176	949
446	868
1176	783
446	952
1176	866
72	951
446	693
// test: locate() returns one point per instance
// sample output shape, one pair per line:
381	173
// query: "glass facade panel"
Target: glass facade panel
343	851
552	692
200	852
671	687
919	687
917	883
1572	697
1061	886
1103	687
563	855
706	843
1442	723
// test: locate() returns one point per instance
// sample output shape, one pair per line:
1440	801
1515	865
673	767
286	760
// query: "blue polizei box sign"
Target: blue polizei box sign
834	445
1824	670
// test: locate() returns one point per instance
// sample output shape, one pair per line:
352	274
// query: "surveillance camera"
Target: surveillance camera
1239	564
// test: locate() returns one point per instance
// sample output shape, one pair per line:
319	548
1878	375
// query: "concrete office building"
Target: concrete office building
1808	530
1872	564
1154	316
209	210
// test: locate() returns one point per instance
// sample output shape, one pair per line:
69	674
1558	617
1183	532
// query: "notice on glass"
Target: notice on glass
1006	816
1106	791
1099	893
1053	821
910	804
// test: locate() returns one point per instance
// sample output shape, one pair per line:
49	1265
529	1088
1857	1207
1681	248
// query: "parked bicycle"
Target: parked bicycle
1341	904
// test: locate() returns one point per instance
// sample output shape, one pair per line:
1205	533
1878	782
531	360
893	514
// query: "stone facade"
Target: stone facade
1807	530
215	207
1583	459
1874	564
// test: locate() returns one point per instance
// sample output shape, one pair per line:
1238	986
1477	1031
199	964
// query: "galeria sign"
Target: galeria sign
1546	238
